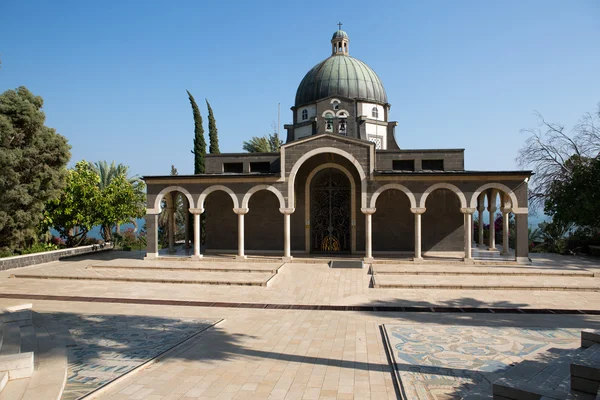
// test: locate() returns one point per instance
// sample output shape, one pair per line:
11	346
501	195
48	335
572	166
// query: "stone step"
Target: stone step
19	365
585	371
20	314
476	271
590	337
175	277
346	264
3	380
165	265
485	283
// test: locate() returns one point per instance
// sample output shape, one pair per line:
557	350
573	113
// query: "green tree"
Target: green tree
119	203
33	158
213	135
577	199
75	212
108	173
265	144
199	141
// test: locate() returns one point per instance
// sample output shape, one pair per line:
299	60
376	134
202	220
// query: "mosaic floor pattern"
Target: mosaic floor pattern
107	346
447	362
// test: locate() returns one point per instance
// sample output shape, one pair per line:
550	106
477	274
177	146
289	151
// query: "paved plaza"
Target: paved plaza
264	351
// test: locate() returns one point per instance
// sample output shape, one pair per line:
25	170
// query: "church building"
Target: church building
342	185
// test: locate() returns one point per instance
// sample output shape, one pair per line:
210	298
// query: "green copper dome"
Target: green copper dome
339	34
340	75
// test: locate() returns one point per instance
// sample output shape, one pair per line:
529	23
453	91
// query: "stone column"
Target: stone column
287	247
522	238
468	212
171	230
196	212
480	242
417	212
187	229
492	239
151	236
240	213
368	233
505	232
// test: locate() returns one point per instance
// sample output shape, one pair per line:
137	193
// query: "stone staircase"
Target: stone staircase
33	355
557	375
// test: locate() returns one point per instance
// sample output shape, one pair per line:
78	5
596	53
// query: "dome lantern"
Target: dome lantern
339	42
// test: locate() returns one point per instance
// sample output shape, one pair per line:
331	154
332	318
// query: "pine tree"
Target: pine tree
213	135
199	142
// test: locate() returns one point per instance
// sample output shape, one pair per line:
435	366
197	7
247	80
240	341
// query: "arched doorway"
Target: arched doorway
330	212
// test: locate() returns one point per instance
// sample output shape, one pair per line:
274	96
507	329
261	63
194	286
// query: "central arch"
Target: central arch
352	203
321	150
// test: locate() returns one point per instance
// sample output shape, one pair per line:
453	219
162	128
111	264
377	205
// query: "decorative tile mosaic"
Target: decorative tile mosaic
107	346
446	362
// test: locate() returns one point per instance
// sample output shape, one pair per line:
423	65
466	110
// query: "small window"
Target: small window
336	106
304	115
403	165
432	165
377	141
262	167
375	112
328	122
233	168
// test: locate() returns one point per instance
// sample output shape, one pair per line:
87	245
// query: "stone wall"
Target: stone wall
48	256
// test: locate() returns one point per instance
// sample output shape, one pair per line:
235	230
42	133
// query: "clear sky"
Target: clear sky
461	74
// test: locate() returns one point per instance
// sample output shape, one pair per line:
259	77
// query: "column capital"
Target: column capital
152	211
196	210
241	211
492	209
467	210
368	211
287	211
481	209
505	210
417	210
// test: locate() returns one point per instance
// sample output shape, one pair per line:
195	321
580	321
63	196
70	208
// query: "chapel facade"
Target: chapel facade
341	185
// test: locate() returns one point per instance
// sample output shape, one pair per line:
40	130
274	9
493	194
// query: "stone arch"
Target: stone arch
352	202
449	186
346	155
495	185
256	188
169	189
402	188
213	188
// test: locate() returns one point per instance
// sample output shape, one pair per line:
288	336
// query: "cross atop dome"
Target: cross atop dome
339	42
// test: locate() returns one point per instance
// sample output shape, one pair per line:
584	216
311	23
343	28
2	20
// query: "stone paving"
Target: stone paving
106	347
293	354
439	362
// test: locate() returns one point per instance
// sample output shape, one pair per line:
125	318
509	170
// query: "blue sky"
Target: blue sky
463	74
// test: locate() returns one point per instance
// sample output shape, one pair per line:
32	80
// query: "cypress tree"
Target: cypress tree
199	142
213	135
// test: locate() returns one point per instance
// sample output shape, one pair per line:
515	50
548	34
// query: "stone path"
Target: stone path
294	354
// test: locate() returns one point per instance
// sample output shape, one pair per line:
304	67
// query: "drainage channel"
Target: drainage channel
308	307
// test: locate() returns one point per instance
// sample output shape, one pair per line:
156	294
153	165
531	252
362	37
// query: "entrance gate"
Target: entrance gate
330	212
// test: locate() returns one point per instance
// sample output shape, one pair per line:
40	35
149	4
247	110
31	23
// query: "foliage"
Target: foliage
33	158
114	181
553	236
40	248
266	144
85	203
129	240
549	151
199	142
213	135
577	199
74	213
